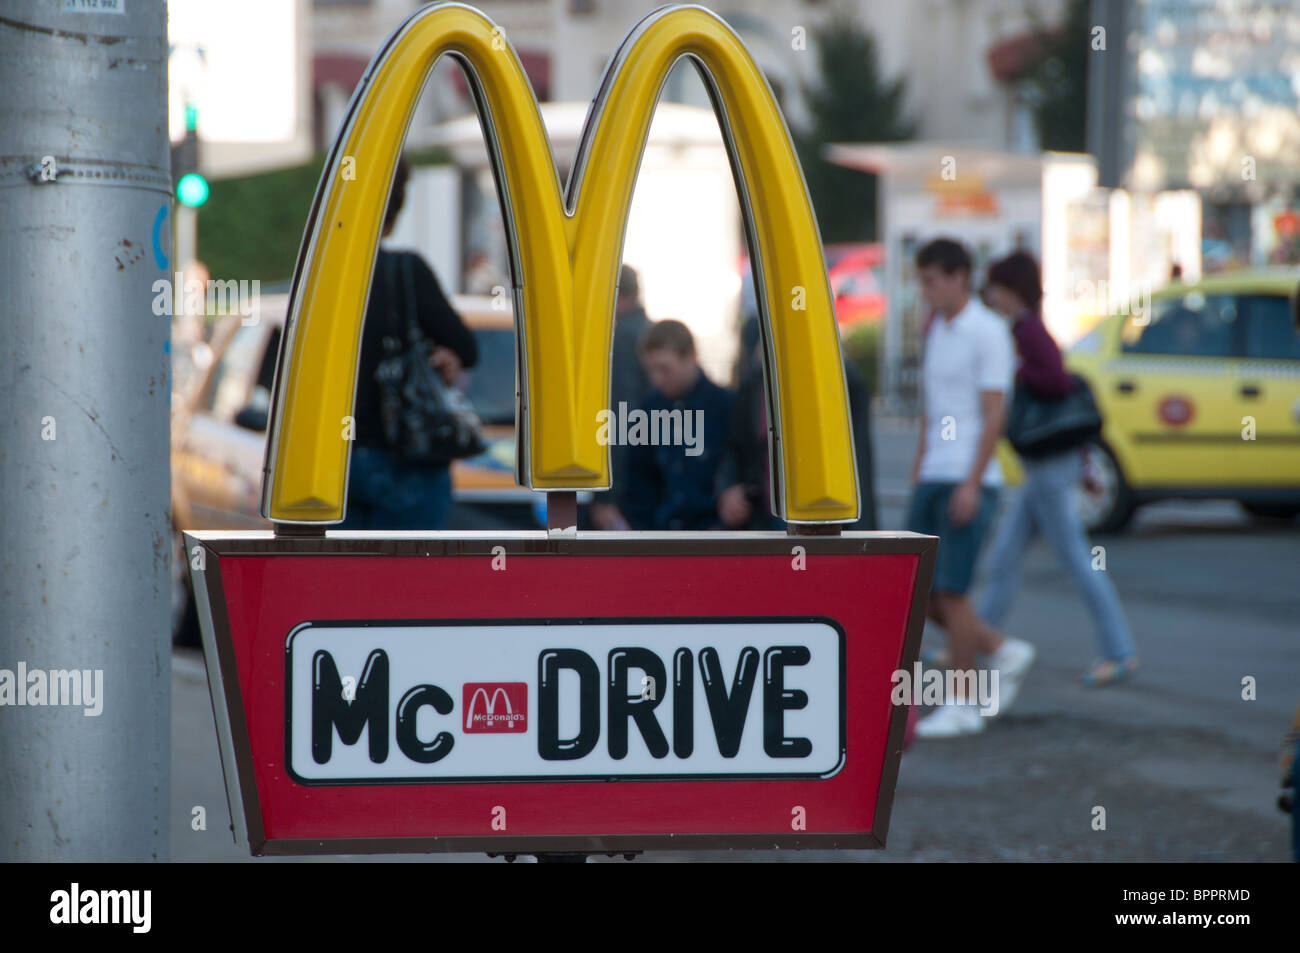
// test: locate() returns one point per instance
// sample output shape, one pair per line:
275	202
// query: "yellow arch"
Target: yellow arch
566	262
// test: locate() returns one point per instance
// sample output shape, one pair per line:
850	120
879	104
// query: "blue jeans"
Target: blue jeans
385	493
1044	506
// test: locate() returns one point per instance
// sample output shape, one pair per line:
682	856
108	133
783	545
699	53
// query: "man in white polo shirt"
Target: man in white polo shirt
966	377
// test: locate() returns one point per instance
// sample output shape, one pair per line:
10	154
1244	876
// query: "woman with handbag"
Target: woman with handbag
1050	444
400	476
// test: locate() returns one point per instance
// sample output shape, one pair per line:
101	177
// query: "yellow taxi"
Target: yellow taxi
1201	399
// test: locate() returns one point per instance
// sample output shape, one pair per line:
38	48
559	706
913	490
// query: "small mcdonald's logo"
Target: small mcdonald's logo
495	707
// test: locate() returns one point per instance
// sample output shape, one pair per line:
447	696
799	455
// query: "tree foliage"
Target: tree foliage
251	226
1058	84
850	102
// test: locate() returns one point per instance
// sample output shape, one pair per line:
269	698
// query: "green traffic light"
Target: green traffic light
192	190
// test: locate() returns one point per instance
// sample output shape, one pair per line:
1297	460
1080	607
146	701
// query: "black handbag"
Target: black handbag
1040	426
424	420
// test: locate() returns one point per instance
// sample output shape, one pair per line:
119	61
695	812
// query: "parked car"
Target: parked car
219	435
1201	399
857	280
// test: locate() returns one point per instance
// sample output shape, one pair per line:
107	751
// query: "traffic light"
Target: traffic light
192	190
191	187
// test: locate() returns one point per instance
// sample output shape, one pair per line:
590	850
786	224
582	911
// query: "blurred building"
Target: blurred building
1207	96
963	62
1102	250
961	58
239	76
1201	94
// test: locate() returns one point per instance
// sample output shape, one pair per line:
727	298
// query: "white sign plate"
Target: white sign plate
423	702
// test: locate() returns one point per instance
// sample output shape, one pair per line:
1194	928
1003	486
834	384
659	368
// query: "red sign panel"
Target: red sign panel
518	695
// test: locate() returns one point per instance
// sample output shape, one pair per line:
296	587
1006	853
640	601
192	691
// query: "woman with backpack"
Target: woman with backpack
1044	505
388	489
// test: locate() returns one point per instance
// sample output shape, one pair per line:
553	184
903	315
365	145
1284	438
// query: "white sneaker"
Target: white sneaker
951	720
1012	662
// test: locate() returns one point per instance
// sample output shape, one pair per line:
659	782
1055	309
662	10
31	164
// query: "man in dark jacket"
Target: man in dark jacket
675	444
628	384
744	490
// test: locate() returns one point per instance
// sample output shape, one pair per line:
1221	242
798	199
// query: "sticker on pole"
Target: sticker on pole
445	702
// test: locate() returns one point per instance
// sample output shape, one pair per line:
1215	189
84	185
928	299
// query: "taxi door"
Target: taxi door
1268	386
1172	393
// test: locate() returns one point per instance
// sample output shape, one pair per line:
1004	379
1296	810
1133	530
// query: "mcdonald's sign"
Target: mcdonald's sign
482	714
427	691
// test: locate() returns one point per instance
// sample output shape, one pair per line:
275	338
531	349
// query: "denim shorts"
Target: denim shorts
958	545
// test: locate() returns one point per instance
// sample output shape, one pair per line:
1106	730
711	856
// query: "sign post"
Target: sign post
556	691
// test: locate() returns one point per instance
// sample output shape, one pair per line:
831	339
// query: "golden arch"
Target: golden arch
565	260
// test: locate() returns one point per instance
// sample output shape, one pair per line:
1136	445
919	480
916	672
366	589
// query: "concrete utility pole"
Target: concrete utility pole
85	199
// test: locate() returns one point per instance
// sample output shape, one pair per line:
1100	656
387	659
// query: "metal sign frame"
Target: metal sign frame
234	732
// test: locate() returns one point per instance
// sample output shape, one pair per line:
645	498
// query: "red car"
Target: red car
857	279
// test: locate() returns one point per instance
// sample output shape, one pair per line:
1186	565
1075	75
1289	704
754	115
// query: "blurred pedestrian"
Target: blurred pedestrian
628	385
966	373
744	487
1290	765
749	356
1044	504
744	476
385	492
860	410
675	439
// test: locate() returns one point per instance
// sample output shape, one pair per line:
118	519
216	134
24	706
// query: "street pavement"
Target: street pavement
1185	769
